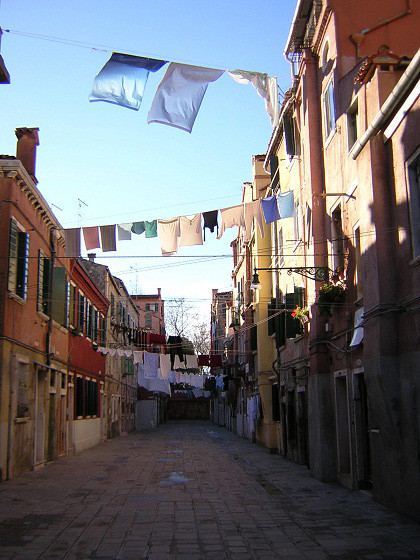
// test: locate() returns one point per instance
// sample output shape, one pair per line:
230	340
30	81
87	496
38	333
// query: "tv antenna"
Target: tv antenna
79	210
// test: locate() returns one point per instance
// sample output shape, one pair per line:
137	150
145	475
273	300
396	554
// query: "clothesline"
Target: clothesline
183	231
105	48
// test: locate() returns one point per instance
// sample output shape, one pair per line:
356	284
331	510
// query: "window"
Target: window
44	277
289	135
329	110
358	262
337	239
18	260
102	331
325	54
296	222
281	247
112	305
71	304
275	402
80	396
274	171
352	128
148	320
90	320
87	401
81	312
59	311
414	204
152	307
22	393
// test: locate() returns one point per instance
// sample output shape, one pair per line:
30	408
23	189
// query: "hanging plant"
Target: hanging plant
301	313
330	294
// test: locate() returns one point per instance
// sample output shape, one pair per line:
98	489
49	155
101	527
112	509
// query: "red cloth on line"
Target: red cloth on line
216	360
203	360
157	338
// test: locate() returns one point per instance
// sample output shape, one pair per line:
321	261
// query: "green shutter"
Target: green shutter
289	135
59	296
274	171
253	337
40	287
13	249
22	264
271	323
280	327
46	298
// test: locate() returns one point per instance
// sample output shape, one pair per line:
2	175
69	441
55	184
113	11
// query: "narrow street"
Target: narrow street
192	491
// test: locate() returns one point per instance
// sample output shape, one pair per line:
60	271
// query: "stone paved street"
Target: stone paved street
192	491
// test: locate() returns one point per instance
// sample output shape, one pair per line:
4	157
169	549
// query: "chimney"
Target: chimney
92	257
26	148
159	292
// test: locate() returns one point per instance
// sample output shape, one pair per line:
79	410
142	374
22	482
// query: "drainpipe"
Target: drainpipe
53	233
10	411
407	79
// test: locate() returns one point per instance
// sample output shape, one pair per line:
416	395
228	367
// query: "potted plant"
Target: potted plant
330	294
301	313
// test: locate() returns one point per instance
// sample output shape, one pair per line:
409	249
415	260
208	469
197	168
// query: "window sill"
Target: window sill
415	261
22	420
16	298
330	137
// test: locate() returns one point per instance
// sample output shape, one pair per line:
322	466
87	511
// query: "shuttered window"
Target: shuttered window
271	323
18	260
81	312
253	337
274	171
59	296
102	331
289	135
281	327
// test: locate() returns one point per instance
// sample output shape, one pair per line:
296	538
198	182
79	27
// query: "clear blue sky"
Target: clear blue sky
108	156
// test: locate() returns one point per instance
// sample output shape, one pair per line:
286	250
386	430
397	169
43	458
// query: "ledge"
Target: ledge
22	420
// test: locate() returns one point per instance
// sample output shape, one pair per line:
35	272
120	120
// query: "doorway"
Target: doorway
40	399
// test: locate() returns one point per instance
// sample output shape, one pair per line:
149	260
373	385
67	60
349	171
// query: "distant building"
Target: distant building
151	308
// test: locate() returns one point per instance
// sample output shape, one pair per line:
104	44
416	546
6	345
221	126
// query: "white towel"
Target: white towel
192	361
165	366
266	87
169	231
190	231
138	356
232	216
179	95
124	232
151	364
253	211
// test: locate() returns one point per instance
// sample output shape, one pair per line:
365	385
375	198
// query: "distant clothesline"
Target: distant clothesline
184	231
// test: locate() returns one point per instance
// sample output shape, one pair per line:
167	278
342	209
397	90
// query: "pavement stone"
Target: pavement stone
192	491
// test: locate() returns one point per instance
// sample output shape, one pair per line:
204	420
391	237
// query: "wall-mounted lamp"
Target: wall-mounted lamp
317	273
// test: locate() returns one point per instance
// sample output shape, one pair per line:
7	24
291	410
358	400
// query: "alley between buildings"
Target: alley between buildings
192	491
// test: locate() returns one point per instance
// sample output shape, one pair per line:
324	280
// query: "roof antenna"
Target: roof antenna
79	211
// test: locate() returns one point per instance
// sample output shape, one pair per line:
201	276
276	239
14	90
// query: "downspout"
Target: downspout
357	38
53	232
410	75
9	421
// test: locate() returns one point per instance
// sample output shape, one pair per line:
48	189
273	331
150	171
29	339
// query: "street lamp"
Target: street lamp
317	273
